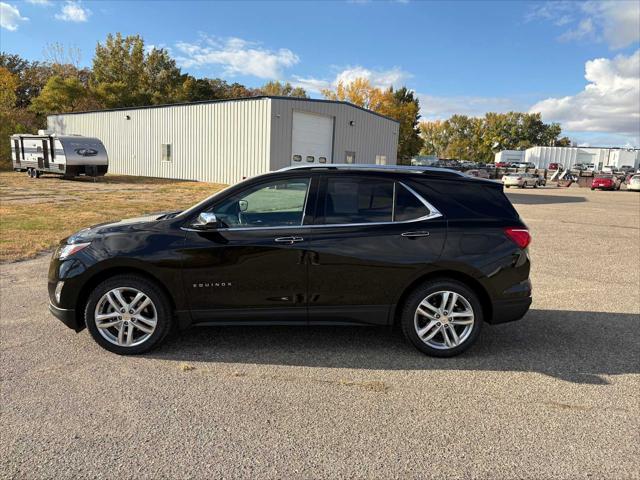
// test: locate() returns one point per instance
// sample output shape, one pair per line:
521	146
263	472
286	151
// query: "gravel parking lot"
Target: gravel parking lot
555	395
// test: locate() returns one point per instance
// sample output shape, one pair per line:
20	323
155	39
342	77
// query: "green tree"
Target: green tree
479	139
406	109
60	95
125	76
277	89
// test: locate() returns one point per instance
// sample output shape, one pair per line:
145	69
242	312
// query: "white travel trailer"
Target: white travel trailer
66	155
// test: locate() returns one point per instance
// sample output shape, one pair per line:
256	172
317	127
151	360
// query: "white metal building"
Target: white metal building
541	157
510	156
225	141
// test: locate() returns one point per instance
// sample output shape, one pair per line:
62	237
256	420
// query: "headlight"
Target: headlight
68	250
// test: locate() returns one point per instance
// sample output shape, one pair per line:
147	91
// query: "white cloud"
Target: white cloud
378	78
236	56
610	102
439	108
10	17
40	2
73	12
615	22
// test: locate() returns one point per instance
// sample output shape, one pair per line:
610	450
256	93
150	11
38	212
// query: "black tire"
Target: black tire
29	172
419	294
163	309
36	174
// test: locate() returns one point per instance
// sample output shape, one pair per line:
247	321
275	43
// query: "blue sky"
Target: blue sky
460	57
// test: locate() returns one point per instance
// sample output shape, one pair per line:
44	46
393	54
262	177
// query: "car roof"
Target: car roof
349	167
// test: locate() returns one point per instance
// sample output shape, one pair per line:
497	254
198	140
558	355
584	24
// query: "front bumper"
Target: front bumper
68	317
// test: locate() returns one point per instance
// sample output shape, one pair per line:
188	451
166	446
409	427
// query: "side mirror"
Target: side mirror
205	221
243	205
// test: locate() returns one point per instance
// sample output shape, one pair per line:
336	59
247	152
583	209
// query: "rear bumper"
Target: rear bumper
68	317
510	309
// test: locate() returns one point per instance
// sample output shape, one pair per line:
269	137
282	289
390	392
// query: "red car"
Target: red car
606	182
555	166
503	164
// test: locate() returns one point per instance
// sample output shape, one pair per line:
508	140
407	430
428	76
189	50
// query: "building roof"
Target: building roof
224	100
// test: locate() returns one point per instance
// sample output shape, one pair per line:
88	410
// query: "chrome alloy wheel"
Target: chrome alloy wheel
126	316
444	320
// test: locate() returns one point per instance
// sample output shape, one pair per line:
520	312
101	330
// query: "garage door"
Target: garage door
311	139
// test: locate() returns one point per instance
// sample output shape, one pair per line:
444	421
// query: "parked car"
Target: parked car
503	164
520	180
606	182
523	165
579	167
626	169
590	167
542	182
634	183
338	245
611	169
555	166
490	166
478	173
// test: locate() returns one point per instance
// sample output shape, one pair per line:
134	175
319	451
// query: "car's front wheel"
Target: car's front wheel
442	318
128	314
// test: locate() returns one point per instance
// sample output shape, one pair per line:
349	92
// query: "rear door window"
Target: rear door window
351	200
408	206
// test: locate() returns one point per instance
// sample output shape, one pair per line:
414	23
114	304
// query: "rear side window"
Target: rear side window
467	200
408	206
358	200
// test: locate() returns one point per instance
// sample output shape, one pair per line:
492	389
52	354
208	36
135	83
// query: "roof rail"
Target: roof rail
373	167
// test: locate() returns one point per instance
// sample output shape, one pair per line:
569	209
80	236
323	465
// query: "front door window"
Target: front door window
275	204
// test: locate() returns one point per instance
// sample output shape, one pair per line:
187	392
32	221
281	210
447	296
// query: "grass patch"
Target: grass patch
36	214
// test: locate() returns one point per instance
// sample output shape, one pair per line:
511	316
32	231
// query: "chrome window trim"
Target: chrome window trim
434	213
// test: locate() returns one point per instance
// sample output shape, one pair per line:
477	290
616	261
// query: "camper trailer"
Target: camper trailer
66	155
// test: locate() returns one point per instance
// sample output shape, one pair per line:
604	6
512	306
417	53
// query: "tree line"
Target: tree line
479	138
124	73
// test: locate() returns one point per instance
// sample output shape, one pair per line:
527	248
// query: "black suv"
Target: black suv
435	251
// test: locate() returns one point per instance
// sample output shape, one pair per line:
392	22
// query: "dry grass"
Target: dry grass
36	214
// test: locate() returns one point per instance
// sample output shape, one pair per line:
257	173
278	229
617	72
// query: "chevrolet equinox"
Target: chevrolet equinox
434	251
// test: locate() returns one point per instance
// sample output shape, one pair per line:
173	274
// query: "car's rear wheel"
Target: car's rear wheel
128	314
442	318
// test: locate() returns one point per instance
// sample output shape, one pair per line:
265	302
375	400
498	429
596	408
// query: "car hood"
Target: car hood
120	226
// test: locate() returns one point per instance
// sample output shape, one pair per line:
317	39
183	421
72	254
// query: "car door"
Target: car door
251	266
371	237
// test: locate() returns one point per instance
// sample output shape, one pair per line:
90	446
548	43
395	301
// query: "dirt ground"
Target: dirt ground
36	214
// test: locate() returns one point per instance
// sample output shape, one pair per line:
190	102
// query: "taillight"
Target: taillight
519	236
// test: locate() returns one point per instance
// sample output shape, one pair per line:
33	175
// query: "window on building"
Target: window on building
166	152
408	206
358	200
322	159
381	159
310	158
349	157
297	158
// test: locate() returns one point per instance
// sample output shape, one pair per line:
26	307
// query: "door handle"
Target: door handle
415	234
289	240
